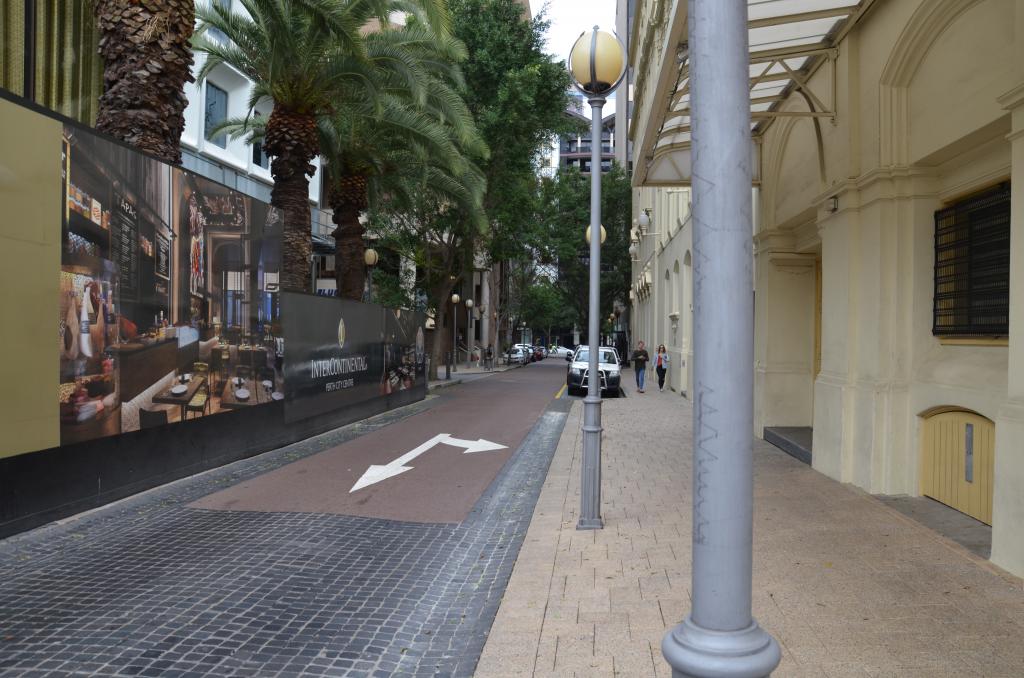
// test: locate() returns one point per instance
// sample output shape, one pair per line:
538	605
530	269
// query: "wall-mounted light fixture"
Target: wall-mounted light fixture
645	219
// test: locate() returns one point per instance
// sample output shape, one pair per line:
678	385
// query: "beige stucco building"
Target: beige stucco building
888	242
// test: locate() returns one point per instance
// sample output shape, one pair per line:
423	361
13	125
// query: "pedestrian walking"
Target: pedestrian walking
489	357
661	361
640	358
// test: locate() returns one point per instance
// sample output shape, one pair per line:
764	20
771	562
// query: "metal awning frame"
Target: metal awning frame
796	81
774	65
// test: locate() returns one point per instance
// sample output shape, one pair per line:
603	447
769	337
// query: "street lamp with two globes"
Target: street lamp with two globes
597	63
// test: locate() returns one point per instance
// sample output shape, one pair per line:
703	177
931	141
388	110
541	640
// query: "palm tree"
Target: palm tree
147	59
300	54
409	140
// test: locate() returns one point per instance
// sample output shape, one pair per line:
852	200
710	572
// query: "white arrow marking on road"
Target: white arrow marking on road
472	446
377	472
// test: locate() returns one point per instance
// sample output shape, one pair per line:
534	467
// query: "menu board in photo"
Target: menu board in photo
162	260
124	245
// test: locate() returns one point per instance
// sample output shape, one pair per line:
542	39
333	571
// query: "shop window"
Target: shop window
216	113
972	266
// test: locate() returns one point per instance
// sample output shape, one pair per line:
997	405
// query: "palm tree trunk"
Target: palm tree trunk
348	197
147	60
291	195
349	266
439	297
291	140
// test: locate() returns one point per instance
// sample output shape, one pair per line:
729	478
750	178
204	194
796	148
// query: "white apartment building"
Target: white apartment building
234	162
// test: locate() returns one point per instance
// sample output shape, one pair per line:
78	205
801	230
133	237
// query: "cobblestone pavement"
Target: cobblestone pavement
149	587
849	586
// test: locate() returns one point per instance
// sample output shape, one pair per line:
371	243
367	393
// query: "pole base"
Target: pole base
695	652
590	524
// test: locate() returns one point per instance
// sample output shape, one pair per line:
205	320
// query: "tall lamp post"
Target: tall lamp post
597	63
455	324
469	333
720	636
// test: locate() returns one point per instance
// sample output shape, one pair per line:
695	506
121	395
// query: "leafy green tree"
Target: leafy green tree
519	96
434	233
564	214
543	308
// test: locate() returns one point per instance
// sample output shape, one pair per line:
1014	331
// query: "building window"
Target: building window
259	157
972	266
216	113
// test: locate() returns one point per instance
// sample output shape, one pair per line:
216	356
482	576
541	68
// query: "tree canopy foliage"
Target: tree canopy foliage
563	214
518	95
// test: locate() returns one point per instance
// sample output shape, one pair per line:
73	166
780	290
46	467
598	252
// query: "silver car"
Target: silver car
517	356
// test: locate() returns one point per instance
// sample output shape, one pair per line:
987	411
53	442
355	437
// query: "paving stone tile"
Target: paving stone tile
151	587
847	585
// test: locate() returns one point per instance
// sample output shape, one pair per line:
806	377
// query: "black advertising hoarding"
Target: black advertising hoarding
169	289
339	353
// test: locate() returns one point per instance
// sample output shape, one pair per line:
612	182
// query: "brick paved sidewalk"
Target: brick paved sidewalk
847	585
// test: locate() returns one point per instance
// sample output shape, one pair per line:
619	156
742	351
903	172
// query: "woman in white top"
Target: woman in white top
661	361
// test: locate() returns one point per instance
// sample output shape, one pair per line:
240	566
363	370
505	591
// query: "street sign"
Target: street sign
378	472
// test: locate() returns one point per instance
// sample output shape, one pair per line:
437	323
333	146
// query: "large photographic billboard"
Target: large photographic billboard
168	305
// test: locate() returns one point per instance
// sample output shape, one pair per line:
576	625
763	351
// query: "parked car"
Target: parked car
559	351
517	356
577	377
530	351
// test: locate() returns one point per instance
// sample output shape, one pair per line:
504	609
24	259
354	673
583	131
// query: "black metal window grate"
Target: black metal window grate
972	266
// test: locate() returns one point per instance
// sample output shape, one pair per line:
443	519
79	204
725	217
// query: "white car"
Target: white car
518	356
559	351
527	351
577	377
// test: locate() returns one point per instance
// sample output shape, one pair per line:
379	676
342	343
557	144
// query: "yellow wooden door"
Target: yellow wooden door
958	451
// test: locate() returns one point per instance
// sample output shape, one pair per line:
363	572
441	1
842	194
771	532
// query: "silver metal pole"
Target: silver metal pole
469	342
590	471
455	341
720	638
486	312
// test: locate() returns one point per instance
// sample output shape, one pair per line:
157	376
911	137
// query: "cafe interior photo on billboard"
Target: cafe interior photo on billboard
169	303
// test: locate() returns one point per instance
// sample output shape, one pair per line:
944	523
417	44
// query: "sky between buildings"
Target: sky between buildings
568	19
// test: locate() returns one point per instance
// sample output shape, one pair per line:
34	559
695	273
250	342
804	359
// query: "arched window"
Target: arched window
677	288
